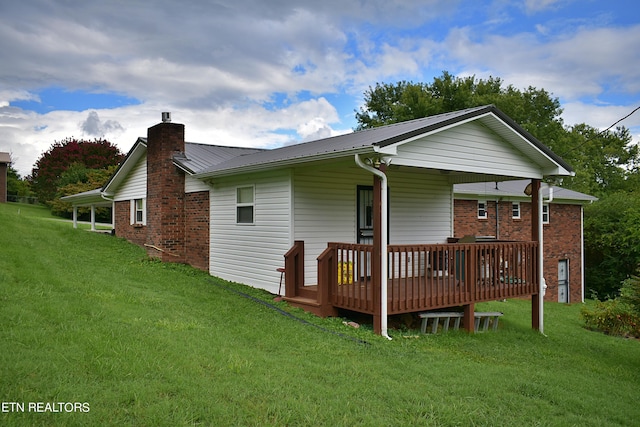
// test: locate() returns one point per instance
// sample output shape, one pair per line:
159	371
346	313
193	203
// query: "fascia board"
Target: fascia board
259	167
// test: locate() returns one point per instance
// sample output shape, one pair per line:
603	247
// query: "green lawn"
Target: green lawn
86	318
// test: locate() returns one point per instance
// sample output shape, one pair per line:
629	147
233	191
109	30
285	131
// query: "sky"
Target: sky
266	73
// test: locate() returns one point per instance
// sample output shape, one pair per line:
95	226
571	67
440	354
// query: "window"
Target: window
545	213
515	210
244	205
138	212
482	209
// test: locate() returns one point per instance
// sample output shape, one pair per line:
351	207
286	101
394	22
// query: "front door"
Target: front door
365	215
563	280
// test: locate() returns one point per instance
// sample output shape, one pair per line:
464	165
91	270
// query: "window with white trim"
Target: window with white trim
515	210
245	197
139	211
545	213
482	209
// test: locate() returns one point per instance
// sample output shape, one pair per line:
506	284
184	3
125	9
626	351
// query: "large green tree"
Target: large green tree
533	109
49	169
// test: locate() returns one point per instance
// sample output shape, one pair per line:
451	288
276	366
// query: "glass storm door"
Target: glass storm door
563	280
365	215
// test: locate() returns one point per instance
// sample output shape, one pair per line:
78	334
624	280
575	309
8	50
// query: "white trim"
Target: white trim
512	210
252	204
133	210
485	209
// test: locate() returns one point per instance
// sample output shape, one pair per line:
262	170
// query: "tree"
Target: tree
533	109
612	252
16	186
77	179
604	162
48	170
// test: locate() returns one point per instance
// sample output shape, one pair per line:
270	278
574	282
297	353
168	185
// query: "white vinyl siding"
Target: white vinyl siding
193	185
250	255
420	207
470	147
325	208
135	186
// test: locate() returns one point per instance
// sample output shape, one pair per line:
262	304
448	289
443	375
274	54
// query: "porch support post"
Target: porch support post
75	216
93	217
536	221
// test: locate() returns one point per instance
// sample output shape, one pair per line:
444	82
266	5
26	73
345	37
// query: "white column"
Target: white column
75	217
93	217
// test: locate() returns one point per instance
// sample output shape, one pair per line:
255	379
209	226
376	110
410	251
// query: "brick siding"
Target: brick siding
562	236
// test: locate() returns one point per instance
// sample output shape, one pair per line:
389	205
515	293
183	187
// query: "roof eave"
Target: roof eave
259	167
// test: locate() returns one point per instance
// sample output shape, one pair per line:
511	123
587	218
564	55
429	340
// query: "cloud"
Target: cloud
93	126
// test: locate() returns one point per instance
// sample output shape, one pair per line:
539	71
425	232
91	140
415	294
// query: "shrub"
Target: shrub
620	316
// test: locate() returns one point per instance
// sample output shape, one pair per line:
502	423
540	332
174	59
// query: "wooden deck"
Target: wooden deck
420	277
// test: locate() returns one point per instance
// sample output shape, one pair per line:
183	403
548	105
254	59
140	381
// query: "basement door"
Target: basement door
563	280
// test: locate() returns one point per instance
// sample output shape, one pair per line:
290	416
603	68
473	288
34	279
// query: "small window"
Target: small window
515	210
482	209
545	213
138	212
244	205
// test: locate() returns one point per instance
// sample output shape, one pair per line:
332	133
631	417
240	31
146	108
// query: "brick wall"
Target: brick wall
123	228
196	211
562	236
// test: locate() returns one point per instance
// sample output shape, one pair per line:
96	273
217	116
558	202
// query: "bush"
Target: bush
620	316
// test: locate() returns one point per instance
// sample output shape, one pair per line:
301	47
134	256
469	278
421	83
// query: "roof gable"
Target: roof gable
386	139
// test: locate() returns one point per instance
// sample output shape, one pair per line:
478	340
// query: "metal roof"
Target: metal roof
374	139
198	157
515	189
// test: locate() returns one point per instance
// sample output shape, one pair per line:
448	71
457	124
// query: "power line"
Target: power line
601	132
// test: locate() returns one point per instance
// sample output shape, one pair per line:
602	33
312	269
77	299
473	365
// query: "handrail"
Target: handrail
294	269
428	276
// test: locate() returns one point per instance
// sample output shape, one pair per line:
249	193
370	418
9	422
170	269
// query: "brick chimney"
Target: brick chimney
165	192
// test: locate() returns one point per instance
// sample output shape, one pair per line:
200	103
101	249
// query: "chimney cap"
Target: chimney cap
166	117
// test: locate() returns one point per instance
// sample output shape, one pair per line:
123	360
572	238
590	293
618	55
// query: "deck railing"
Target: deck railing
424	277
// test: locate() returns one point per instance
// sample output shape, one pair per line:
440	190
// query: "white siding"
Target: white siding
470	147
135	186
325	208
420	206
193	185
246	253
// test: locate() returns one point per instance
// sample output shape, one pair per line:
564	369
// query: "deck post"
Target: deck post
469	318
535	236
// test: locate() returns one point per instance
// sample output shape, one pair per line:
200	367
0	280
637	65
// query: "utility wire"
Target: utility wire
601	132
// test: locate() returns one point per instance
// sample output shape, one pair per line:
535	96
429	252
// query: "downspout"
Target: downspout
543	283
384	243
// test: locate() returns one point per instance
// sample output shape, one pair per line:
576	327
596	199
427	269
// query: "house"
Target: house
5	161
502	211
332	206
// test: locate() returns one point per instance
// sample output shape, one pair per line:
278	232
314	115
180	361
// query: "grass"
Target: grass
87	318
